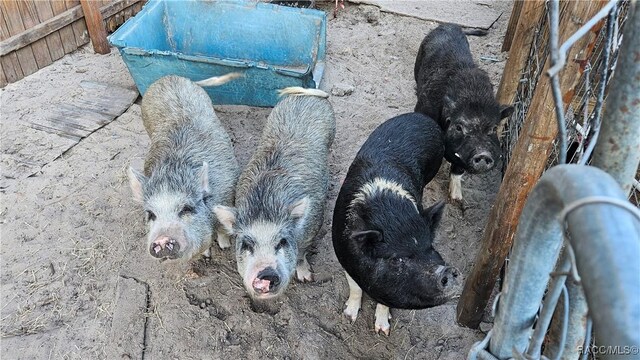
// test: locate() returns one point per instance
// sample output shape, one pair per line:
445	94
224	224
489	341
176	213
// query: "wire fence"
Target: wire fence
584	107
579	116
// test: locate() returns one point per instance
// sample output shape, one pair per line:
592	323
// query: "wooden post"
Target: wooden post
514	19
523	35
527	163
95	26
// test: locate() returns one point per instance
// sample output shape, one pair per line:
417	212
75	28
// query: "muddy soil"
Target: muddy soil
76	280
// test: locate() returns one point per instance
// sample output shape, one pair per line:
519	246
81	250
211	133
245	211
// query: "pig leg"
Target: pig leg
223	239
382	319
303	270
355	298
455	184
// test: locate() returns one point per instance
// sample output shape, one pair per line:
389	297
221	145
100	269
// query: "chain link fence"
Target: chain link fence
586	101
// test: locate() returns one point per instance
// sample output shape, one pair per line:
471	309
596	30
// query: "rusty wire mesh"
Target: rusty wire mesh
583	107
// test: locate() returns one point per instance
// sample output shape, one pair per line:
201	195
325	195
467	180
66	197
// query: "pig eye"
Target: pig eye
246	245
207	198
459	128
150	215
397	261
283	242
186	210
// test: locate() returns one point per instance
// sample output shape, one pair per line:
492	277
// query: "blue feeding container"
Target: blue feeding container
273	46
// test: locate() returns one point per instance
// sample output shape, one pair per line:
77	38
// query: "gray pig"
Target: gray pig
189	169
281	194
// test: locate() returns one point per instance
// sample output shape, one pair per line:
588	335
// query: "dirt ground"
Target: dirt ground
77	283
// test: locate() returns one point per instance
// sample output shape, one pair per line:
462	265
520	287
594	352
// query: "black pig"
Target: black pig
456	93
381	234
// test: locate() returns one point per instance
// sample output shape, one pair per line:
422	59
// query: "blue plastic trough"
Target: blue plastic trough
274	46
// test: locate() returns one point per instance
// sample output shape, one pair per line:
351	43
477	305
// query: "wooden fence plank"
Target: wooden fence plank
66	33
527	163
95	26
11	13
523	36
41	30
60	21
54	43
10	64
79	27
3	78
30	19
513	22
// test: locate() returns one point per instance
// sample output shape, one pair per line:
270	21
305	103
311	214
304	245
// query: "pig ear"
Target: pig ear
433	215
367	240
226	217
204	177
136	181
506	111
299	208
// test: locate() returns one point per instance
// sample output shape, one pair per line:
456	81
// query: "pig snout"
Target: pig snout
449	280
164	247
482	161
266	281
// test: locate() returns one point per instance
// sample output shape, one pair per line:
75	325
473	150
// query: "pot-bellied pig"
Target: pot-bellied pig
190	168
452	90
280	197
382	235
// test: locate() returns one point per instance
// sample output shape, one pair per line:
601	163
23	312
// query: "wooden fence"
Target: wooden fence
35	33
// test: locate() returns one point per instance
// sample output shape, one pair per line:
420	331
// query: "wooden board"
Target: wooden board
95	26
465	13
66	33
10	64
54	43
46	132
513	23
30	19
79	27
25	56
97	106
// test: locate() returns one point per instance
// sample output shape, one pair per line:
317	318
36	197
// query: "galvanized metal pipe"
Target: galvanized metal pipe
618	149
548	308
577	325
606	241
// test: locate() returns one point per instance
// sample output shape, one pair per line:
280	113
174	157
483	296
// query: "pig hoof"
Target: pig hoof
352	310
383	327
458	203
304	273
223	240
207	253
382	319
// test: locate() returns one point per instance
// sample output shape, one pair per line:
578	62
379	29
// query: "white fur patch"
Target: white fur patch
379	185
354	301
262	230
166	203
382	319
264	254
455	187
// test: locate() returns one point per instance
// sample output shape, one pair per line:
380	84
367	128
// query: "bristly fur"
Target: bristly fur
289	165
185	132
382	235
455	92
